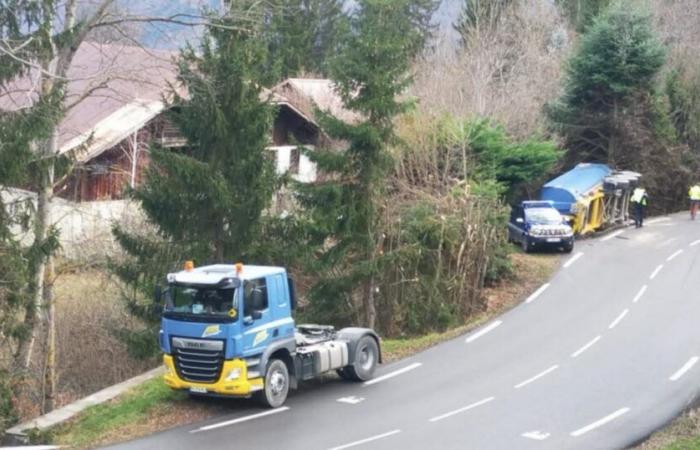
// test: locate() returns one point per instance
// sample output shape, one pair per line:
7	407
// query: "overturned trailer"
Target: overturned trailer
592	196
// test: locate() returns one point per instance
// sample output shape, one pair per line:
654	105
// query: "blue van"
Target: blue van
538	225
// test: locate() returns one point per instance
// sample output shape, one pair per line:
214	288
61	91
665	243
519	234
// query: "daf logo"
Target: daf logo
191	344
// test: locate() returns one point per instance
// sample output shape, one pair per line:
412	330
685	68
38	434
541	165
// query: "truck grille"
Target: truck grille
197	361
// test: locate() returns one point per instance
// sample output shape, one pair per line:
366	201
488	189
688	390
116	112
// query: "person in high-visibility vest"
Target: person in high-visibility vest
694	194
639	199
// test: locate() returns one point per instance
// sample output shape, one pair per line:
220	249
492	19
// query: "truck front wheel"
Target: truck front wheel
366	358
276	387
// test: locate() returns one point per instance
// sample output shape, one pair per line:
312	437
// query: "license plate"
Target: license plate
198	390
553	240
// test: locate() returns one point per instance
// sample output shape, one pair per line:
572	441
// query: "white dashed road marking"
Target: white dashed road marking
536	435
241	419
656	271
686	367
694	243
573	259
617	320
678	252
600	422
352	400
393	374
537	293
369	439
461	410
613	235
483	331
585	347
639	294
536	377
657	220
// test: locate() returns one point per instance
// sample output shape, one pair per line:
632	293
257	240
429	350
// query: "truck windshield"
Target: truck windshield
201	302
543	216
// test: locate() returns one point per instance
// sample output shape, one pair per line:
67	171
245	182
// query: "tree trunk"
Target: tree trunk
369	304
38	264
50	370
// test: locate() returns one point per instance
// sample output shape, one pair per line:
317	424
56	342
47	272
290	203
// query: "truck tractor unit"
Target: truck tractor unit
227	330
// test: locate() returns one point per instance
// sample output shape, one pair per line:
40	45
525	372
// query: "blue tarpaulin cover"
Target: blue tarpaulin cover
564	190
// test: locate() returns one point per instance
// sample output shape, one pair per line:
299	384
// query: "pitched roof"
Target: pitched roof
123	88
117	89
307	94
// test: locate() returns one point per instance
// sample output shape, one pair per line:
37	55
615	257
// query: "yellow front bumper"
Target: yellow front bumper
240	387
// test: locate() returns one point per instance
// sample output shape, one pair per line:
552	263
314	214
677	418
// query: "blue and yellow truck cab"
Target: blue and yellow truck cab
227	330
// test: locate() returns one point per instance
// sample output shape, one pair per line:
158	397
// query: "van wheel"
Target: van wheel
569	248
525	245
366	359
276	386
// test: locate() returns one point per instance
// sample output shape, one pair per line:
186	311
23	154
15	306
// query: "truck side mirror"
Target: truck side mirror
157	293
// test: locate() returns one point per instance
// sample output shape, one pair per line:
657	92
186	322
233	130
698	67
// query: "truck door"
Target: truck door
257	316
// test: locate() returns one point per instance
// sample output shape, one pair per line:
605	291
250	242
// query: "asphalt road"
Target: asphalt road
598	358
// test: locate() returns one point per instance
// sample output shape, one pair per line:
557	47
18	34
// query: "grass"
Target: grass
132	407
152	406
681	434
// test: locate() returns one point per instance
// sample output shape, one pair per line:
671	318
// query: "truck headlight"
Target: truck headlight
233	374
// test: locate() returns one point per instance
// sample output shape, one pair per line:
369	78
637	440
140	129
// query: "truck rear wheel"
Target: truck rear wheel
276	386
366	358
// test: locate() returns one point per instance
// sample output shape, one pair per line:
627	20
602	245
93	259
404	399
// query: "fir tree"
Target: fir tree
302	35
206	203
612	72
371	71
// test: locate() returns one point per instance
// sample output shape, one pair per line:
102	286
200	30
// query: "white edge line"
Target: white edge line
393	374
657	220
483	331
537	293
573	259
678	252
613	235
617	320
639	294
240	419
539	375
460	410
369	439
656	271
686	367
600	422
694	243
586	347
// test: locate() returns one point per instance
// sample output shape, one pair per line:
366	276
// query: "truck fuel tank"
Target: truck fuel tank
326	356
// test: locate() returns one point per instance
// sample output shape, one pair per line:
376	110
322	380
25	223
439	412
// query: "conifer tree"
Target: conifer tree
302	35
371	71
206	202
612	73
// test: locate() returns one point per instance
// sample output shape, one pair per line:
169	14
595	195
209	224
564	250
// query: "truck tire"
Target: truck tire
276	386
366	358
343	373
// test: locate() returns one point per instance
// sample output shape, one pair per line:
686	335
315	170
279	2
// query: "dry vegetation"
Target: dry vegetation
506	72
90	356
